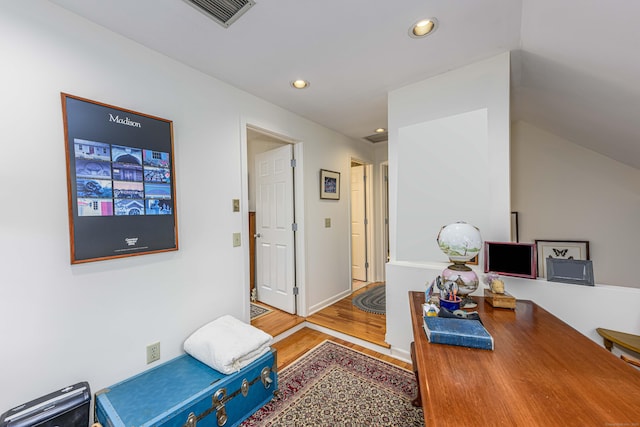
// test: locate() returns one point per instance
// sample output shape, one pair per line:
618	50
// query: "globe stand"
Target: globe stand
466	279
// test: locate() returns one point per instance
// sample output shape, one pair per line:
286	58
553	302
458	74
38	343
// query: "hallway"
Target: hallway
342	317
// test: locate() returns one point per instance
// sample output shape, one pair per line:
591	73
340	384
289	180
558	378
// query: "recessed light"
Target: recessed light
380	130
300	84
423	27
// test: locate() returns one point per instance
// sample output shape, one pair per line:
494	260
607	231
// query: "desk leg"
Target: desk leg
418	399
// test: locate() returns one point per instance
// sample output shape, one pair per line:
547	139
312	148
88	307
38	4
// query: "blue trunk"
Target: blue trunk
167	395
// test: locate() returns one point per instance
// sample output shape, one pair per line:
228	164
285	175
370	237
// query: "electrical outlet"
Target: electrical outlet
327	223
153	352
236	239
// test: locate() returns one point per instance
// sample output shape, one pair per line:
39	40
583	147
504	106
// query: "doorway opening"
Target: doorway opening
361	225
271	220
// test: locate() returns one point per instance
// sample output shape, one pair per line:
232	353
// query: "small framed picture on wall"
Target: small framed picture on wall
329	184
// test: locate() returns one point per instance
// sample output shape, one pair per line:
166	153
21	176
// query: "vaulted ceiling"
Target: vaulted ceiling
575	63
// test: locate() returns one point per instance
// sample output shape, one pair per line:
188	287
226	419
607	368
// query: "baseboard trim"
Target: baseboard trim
326	303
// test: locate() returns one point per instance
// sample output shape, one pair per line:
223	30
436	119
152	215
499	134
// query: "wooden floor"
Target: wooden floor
276	322
295	345
342	316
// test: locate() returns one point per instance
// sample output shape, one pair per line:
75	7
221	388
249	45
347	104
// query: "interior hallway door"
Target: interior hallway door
358	224
275	262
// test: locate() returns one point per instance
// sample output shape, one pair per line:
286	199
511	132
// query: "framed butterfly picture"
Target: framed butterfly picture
560	249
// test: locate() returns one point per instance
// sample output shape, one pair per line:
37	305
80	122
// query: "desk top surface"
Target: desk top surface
542	372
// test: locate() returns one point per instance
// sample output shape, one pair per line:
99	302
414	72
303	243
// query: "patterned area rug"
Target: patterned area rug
258	310
373	300
333	385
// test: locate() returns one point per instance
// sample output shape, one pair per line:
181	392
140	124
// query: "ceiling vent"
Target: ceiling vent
377	137
224	12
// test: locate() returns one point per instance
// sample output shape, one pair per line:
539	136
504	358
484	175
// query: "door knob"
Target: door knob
257	235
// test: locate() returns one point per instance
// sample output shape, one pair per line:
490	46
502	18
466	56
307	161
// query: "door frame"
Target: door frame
298	206
385	256
370	215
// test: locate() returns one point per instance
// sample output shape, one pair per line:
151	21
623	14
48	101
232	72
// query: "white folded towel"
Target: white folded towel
227	344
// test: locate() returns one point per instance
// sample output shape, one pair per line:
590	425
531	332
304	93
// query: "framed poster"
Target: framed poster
120	181
561	249
329	184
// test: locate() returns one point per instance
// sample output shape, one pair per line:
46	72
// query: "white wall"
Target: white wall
442	180
433	176
566	192
403	277
453	101
328	250
61	323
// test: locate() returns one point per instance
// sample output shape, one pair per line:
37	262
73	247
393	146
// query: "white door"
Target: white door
275	278
358	225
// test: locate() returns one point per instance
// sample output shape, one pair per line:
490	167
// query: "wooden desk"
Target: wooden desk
542	372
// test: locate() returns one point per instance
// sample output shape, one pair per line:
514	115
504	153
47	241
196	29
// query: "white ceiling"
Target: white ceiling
575	63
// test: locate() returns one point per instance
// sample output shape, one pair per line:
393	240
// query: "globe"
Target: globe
460	241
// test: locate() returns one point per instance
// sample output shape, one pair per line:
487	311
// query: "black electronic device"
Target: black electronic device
68	407
510	259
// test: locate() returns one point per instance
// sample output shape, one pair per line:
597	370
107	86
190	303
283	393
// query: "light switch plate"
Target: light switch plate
236	205
327	223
